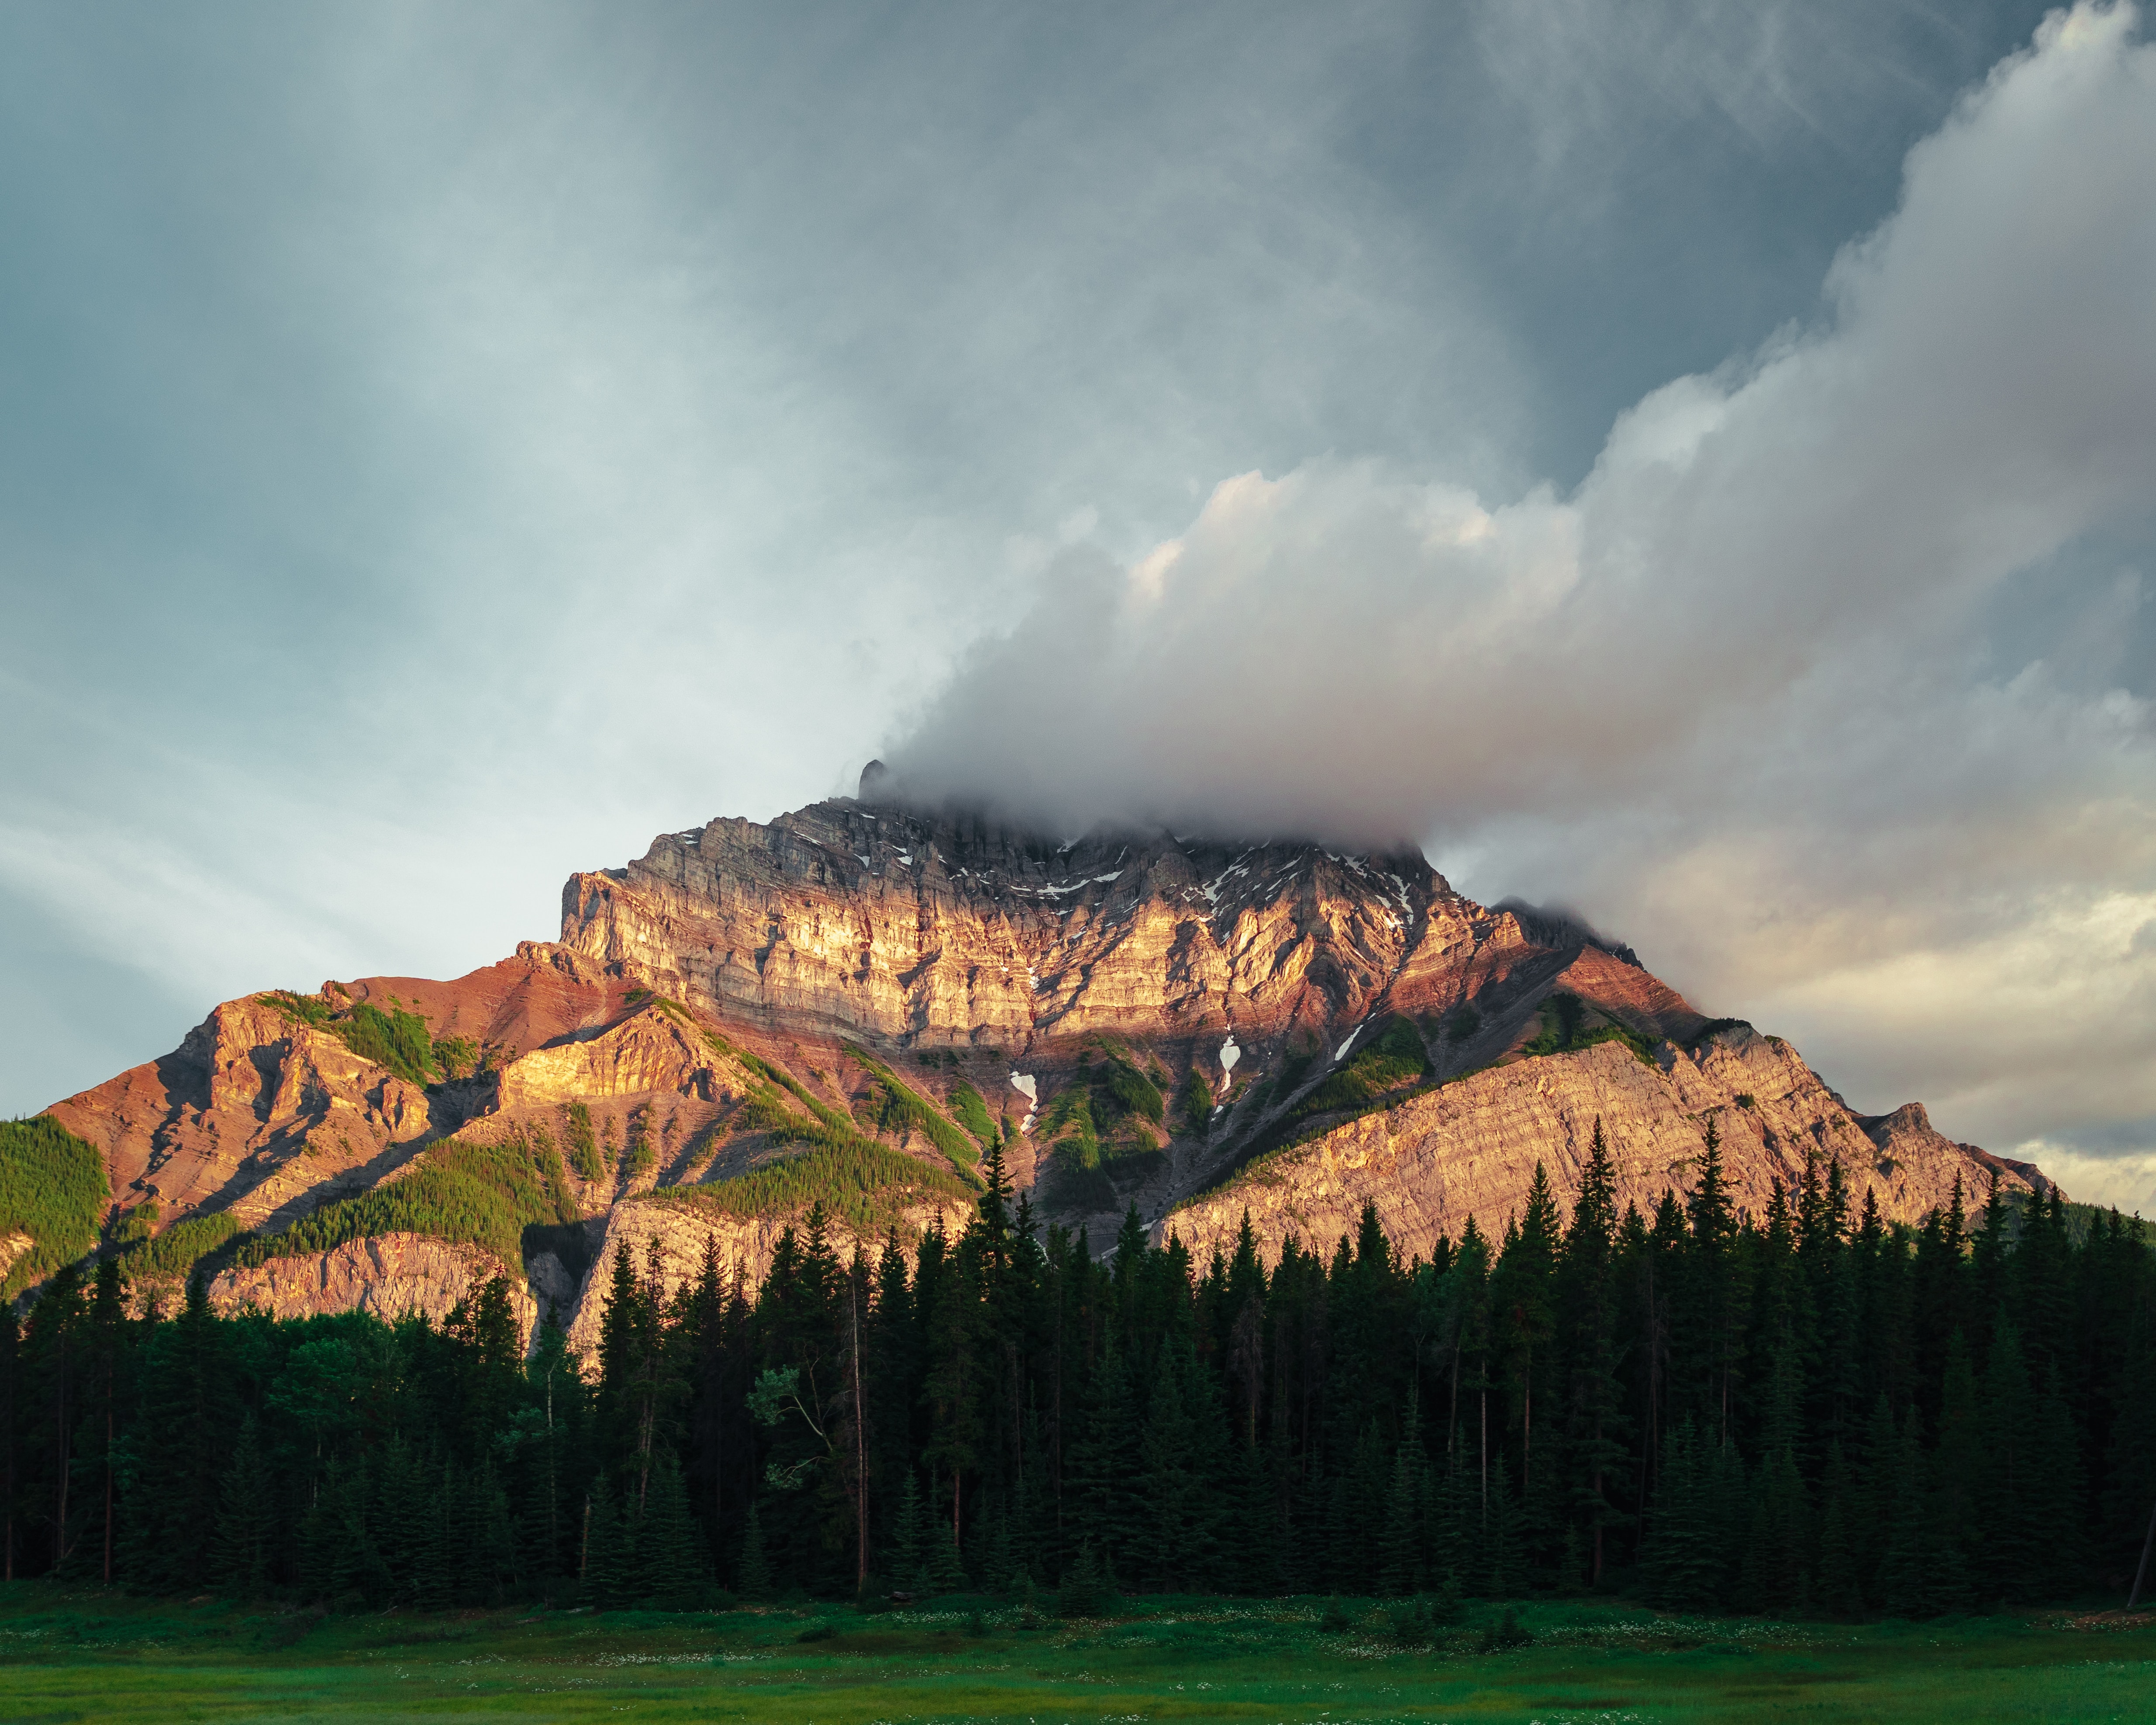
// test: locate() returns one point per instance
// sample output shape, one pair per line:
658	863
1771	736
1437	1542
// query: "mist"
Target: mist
1740	696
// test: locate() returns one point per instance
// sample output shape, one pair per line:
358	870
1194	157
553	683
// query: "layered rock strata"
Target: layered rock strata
393	1276
823	964
1470	1148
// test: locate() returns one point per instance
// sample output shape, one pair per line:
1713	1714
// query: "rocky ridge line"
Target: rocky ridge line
852	946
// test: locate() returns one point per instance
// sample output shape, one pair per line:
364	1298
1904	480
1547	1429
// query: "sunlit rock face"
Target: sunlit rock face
1194	1026
393	1276
945	930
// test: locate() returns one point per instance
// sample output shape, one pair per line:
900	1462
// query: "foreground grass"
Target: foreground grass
69	1655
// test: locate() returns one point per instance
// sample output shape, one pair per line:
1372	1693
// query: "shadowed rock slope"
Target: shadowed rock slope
853	1004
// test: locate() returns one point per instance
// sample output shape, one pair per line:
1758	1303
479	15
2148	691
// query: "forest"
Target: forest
1801	1411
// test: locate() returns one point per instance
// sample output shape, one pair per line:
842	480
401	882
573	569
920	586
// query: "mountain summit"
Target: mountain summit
865	1004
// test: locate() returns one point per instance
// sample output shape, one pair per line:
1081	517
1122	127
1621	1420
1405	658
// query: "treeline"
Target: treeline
1805	1411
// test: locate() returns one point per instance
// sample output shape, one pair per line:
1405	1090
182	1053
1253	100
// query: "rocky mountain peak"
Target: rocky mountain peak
857	1000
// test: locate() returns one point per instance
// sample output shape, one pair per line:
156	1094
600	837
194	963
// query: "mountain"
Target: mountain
853	1003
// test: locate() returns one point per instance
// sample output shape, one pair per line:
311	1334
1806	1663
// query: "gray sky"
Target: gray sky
440	447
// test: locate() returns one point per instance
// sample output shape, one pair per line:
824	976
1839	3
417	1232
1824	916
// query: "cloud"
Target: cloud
1735	695
2126	1182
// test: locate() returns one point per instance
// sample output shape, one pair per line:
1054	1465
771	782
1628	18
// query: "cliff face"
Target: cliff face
1192	1026
1470	1148
946	932
393	1276
252	1111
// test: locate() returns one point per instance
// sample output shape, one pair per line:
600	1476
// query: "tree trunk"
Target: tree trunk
108	1478
860	1454
1485	1398
2141	1574
60	1435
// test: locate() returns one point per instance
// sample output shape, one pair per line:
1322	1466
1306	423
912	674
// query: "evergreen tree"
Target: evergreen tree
171	1462
910	1540
1839	1590
946	1568
753	1573
1172	1533
1596	1423
246	1521
609	1578
1400	1540
669	1566
1908	1568
1683	1554
1772	1411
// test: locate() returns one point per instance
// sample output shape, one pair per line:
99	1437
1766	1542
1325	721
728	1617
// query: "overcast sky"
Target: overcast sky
1693	462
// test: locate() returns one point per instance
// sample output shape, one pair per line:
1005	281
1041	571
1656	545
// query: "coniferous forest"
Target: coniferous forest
1799	1412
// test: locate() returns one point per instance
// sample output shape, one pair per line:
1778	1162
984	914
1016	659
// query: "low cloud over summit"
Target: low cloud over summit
1742	695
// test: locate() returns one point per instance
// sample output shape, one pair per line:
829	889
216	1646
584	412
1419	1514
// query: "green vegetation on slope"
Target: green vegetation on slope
851	1175
642	1158
1392	1070
457	1056
1102	1124
866	1185
1195	1104
1562	1018
138	1225
757	1067
971	1108
1395	1056
901	1108
485	1193
1105	1112
583	1143
172	1253
52	1188
396	1039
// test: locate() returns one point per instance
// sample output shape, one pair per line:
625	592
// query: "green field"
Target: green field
80	1654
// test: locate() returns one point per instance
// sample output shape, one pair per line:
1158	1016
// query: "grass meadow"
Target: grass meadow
81	1654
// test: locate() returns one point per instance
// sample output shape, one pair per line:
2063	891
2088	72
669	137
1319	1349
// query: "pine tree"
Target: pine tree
1909	1566
1522	1297
1958	1467
1105	1464
172	1463
1683	1552
1454	1536
2056	1494
1503	1549
753	1573
1168	1548
909	1540
1596	1423
946	1568
2010	1546
668	1567
1086	1590
489	1559
609	1556
1400	1541
1879	1495
431	1555
246	1521
1838	1591
1777	1571
1252	1547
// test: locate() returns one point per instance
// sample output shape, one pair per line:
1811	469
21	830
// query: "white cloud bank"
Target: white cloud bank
1734	697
